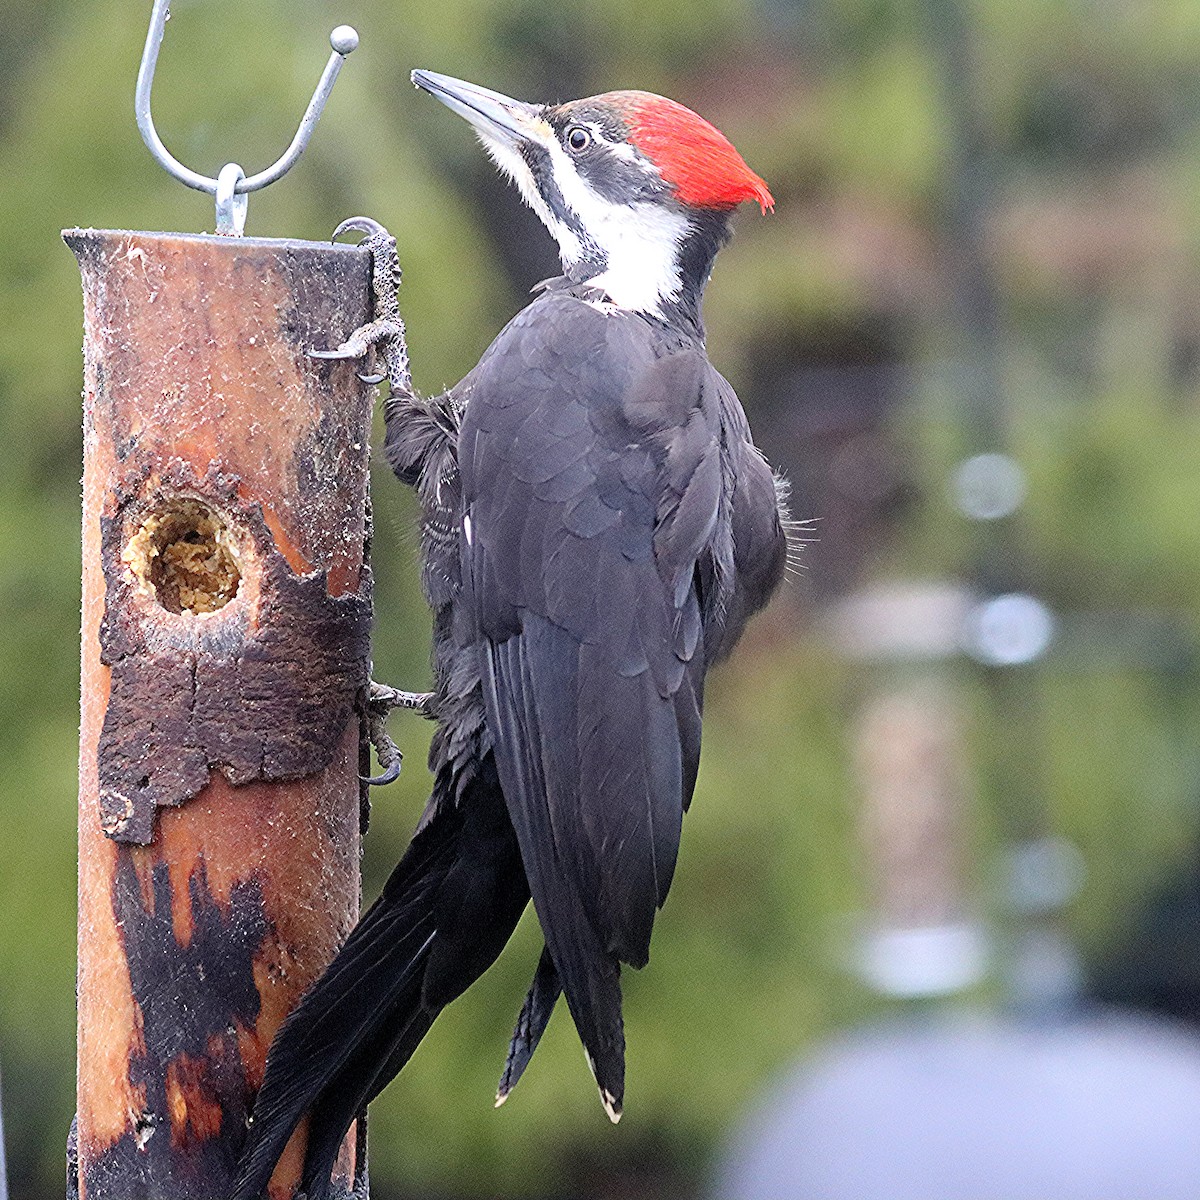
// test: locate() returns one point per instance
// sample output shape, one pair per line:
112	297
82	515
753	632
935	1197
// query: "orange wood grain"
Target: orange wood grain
194	351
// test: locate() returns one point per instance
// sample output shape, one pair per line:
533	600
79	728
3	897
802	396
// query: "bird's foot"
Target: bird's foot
386	332
381	700
361	342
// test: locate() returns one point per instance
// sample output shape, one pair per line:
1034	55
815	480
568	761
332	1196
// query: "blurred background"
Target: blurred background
951	779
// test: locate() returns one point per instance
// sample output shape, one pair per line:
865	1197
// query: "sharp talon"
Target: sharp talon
389	754
339	353
381	700
390	775
372	379
360	225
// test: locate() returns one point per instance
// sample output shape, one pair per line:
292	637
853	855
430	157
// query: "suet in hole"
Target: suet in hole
184	553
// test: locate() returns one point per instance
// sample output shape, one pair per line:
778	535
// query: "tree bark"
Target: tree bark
225	657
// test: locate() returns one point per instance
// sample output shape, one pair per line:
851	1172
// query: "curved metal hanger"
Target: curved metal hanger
232	186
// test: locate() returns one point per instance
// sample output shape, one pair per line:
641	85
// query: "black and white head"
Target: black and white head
636	189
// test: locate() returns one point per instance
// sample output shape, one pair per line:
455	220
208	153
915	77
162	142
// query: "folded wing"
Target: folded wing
591	489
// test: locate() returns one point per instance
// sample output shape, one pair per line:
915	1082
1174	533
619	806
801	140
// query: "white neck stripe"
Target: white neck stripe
640	241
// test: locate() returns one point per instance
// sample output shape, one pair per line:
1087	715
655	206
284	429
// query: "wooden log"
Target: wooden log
225	655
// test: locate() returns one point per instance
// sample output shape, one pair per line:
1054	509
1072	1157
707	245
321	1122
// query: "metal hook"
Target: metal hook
231	208
343	40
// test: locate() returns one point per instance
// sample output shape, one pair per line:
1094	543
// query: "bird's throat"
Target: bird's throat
657	263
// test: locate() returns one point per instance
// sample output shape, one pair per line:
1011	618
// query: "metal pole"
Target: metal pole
1013	629
3	1168
225	657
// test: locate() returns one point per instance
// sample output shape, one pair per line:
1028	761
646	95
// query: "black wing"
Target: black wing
591	481
751	563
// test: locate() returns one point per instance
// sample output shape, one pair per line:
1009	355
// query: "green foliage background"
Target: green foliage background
1091	115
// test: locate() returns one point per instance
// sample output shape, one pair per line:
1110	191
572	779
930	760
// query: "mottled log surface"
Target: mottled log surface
225	652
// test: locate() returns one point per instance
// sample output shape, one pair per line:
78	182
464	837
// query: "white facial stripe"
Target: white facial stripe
623	150
517	169
643	269
640	241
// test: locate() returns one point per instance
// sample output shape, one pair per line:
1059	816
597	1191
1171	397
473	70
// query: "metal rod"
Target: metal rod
343	41
231	208
3	1169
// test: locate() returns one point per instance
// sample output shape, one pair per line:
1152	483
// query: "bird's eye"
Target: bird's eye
578	138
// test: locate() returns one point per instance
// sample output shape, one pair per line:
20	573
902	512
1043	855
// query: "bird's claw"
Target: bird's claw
385	698
344	352
365	225
390	773
390	756
381	700
362	341
385	334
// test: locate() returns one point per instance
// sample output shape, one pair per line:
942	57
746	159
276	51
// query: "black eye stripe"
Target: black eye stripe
540	165
600	121
617	178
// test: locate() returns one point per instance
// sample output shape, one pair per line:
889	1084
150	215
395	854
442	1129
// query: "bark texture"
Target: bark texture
225	655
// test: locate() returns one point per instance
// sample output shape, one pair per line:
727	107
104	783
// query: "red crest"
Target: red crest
696	158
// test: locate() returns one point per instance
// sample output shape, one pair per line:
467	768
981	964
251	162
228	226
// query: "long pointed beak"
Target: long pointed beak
490	113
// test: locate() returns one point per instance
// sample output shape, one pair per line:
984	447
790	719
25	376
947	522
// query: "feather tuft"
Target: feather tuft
692	155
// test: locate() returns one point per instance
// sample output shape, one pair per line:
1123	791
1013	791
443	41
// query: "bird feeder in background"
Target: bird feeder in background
924	939
225	663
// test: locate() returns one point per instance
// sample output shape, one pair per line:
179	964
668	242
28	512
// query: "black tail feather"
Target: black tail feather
347	1097
455	897
531	1024
348	1010
590	975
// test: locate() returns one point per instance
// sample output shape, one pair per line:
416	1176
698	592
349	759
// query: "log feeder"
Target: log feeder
225	658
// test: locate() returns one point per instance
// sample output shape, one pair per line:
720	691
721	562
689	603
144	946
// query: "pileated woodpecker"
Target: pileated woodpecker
597	529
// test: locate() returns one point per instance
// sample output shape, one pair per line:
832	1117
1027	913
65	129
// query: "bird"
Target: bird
597	527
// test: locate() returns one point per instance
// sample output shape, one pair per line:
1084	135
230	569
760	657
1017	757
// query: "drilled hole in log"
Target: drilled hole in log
184	554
